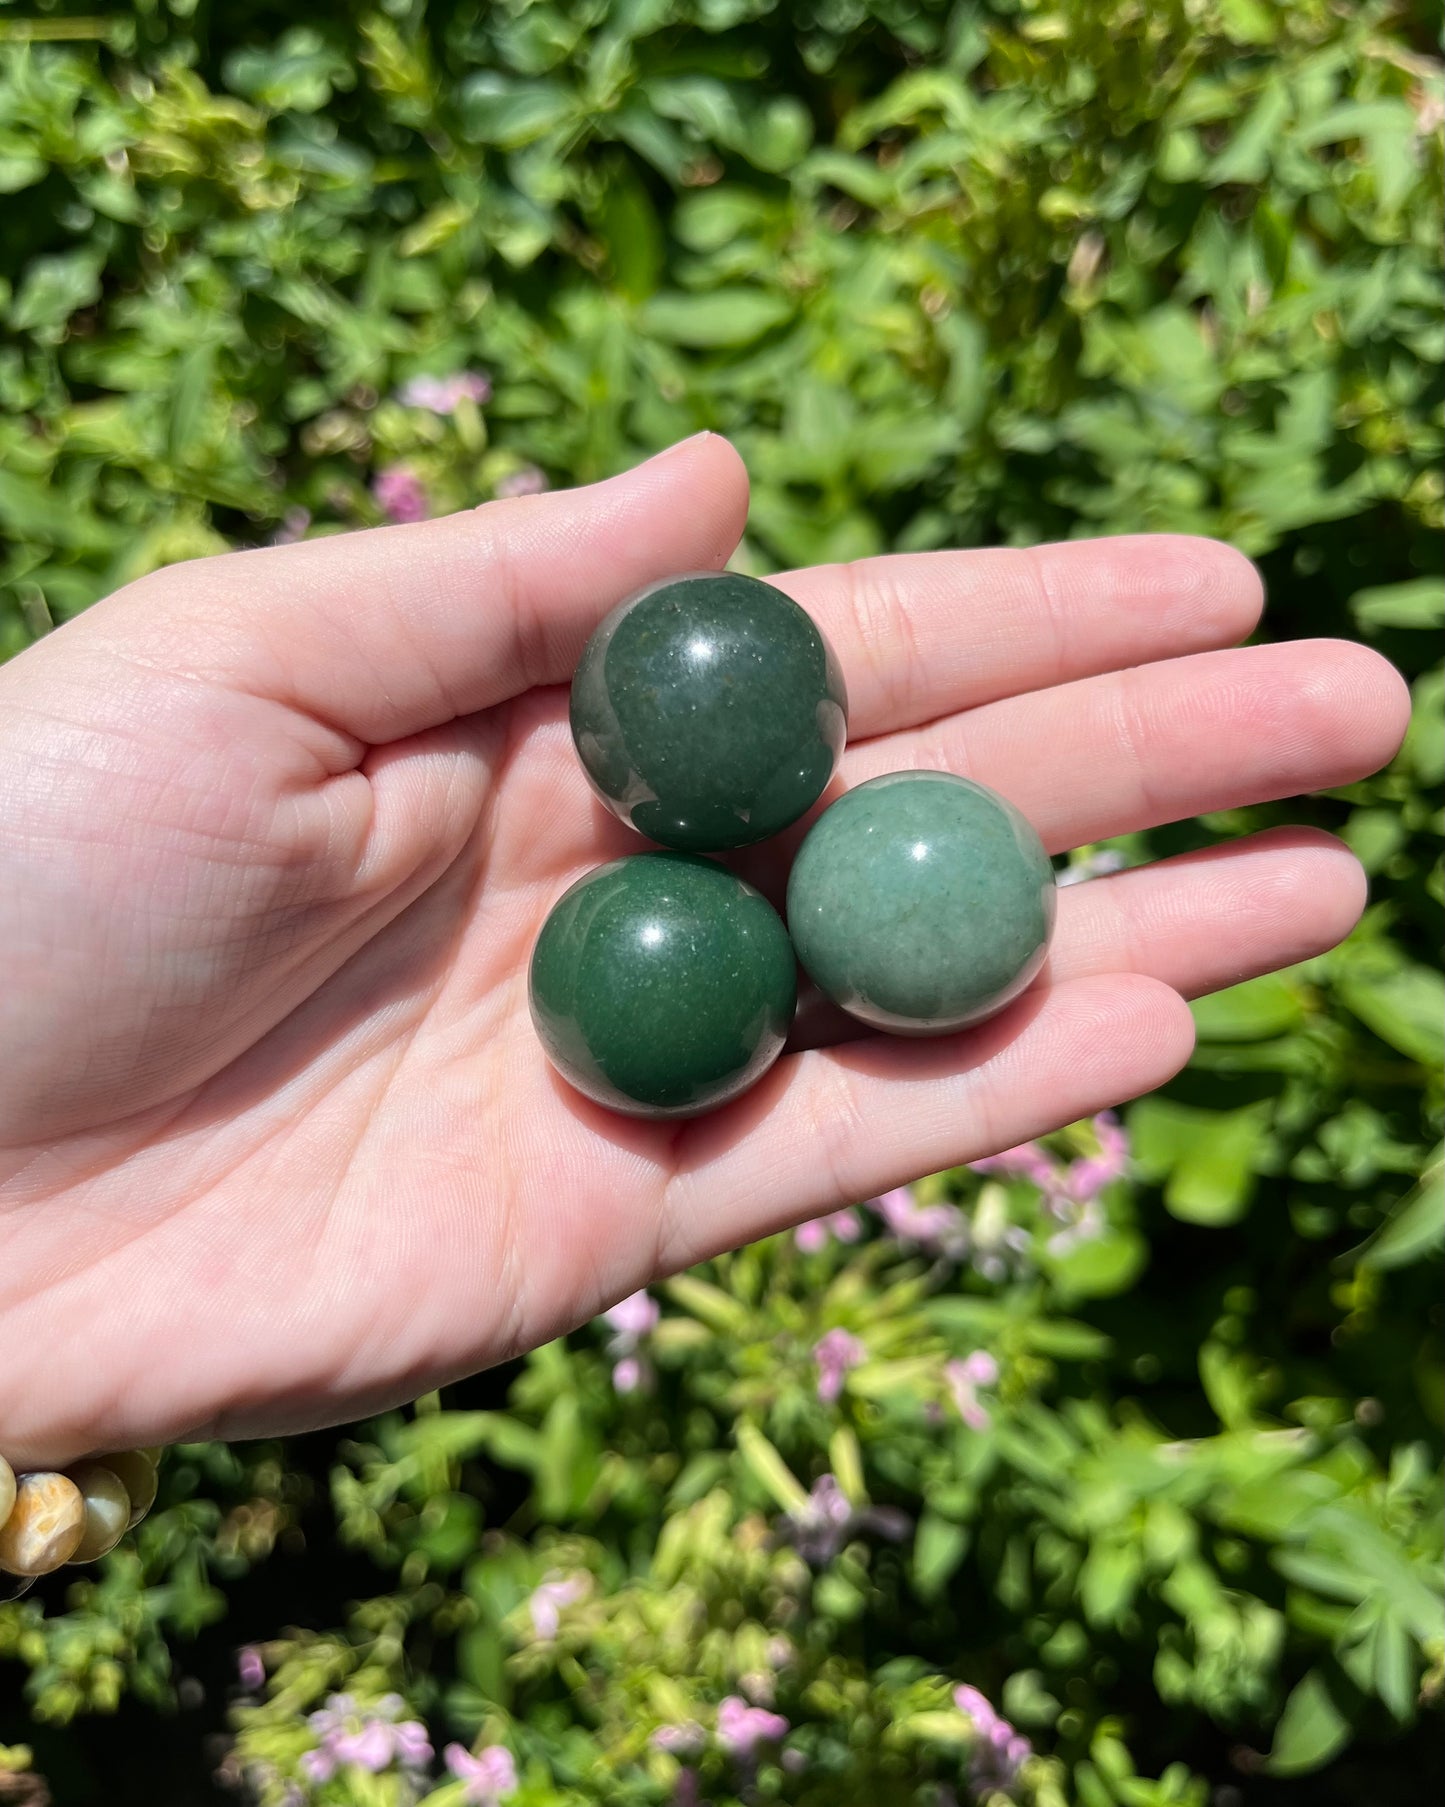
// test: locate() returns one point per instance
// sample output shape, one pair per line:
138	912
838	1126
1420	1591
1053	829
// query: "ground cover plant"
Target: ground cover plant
1109	1475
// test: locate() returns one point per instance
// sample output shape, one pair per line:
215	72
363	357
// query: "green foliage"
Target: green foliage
977	272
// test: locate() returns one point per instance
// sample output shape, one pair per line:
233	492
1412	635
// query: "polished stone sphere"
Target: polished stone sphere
708	711
662	985
921	902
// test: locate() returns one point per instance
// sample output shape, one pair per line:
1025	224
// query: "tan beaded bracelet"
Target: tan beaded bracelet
50	1519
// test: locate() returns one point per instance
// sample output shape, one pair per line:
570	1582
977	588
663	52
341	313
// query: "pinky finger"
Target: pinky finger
834	1125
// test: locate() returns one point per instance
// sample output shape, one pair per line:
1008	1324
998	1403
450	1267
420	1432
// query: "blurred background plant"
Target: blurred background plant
1110	1475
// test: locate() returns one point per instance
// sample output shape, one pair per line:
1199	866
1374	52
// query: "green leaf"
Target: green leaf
1108	1579
19	171
939	1545
1260	1008
1208	1160
770	1468
509	114
1415	1226
1419	603
189	398
1424	747
722	318
53	288
1311	1730
1099	1267
628	226
1404	1005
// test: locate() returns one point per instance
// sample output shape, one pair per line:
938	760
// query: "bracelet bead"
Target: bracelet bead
45	1525
136	1471
107	1510
50	1519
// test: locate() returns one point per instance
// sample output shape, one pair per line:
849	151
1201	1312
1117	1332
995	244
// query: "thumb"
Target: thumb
388	632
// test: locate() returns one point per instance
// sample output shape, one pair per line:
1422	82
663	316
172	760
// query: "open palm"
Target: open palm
278	829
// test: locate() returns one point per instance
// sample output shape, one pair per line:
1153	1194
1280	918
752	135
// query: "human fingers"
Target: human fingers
925	634
387	633
834	1125
1110	755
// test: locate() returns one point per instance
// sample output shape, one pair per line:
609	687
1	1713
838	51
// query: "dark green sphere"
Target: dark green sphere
662	985
921	902
708	711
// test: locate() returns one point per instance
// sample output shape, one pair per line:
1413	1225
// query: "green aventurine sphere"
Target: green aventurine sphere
921	902
662	985
708	711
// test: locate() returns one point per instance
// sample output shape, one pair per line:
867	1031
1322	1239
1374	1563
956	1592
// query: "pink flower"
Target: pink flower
332	1717
964	1379
441	394
528	481
1028	1161
369	1748
835	1353
813	1236
294	523
684	1740
999	1752
741	1728
548	1600
250	1668
939	1228
1087	1178
399	495
411	1744
635	1316
318	1765
829	1518
633	1320
490	1775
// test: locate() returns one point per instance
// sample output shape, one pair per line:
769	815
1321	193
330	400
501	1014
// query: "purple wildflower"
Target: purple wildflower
490	1775
684	1740
1086	1179
815	1235
825	1524
964	1379
369	1747
399	495
685	1793
547	1601
294	523
999	1751
318	1765
1028	1161
528	481
635	1316
940	1228
442	394
411	1744
835	1353
633	1320
250	1668
741	1728
332	1717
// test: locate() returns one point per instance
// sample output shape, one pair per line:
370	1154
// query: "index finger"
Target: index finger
923	634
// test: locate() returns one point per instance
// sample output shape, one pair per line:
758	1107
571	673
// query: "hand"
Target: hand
277	831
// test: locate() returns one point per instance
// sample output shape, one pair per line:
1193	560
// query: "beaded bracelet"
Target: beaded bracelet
50	1519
